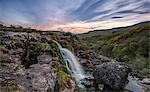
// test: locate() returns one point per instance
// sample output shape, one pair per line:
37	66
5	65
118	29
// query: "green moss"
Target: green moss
63	79
44	47
63	75
146	71
33	53
57	53
64	68
11	88
139	63
37	49
2	47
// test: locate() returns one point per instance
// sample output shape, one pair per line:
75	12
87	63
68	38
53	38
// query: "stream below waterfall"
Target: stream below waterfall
77	72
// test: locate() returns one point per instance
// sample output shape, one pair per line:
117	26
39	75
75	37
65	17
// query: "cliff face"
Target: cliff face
32	62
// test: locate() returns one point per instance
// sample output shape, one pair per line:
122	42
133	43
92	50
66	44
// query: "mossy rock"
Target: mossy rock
63	78
10	88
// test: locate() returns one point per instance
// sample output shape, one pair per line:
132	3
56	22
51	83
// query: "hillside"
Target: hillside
102	33
128	44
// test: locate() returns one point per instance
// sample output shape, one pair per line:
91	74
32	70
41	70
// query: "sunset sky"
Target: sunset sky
74	15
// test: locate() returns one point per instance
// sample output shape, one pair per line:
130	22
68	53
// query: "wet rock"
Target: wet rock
88	82
112	74
146	81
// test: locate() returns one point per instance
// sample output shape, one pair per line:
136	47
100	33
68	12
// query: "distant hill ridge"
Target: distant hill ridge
110	31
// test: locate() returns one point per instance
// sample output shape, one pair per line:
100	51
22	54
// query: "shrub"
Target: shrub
139	63
146	71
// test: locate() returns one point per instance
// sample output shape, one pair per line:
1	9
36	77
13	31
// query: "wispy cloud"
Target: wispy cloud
74	15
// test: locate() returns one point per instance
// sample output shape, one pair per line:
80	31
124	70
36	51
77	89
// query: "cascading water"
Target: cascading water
59	46
72	64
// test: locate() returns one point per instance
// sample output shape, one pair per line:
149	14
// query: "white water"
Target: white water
59	46
134	85
72	64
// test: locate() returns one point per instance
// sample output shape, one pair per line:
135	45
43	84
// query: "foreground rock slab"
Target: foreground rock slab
112	74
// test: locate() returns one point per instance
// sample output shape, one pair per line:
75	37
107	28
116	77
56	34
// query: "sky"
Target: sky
77	16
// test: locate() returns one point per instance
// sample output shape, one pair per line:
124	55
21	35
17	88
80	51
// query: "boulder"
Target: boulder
112	74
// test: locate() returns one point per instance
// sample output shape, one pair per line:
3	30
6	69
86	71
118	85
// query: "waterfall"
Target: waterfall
59	46
72	64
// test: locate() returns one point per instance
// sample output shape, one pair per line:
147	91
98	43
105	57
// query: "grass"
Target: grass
130	45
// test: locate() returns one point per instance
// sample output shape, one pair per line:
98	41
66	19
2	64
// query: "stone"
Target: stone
36	78
146	81
87	82
42	77
5	58
112	74
44	59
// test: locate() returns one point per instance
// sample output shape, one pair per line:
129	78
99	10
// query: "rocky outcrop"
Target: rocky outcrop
40	78
36	78
112	74
41	75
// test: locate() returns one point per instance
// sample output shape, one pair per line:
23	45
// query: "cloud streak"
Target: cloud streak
74	15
